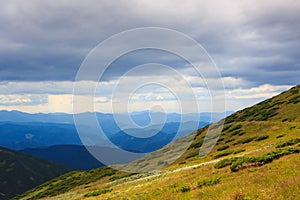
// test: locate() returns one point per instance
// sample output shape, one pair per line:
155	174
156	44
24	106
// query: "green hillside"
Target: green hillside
20	172
256	157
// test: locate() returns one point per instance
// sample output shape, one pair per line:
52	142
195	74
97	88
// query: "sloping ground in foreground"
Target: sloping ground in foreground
20	172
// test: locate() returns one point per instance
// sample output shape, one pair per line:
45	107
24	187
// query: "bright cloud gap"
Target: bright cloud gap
56	96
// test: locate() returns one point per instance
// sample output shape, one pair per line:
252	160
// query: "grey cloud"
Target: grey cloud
46	40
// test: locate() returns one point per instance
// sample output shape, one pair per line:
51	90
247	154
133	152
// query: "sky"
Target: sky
254	44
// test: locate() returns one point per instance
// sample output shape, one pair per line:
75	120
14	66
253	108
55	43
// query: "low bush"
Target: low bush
209	182
230	140
241	133
198	143
241	162
220	140
262	137
224	163
238	163
185	188
239	126
239	151
222	148
288	143
224	153
192	154
245	140
294	100
280	136
97	192
238	132
226	127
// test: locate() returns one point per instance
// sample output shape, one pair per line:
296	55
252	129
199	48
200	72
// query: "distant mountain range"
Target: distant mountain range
141	118
56	133
22	135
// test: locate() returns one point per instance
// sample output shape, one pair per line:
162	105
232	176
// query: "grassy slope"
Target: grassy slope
252	132
20	172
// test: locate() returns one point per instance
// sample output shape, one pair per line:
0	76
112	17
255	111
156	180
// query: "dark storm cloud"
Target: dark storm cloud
258	41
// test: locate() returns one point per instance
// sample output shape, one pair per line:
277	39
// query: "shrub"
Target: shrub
261	160
262	137
288	143
113	178
294	100
292	127
224	153
226	127
230	140
241	133
269	113
245	140
209	182
231	118
239	126
224	163
280	136
97	192
220	140
239	151
198	143
239	162
238	132
200	131
222	148
192	154
185	188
